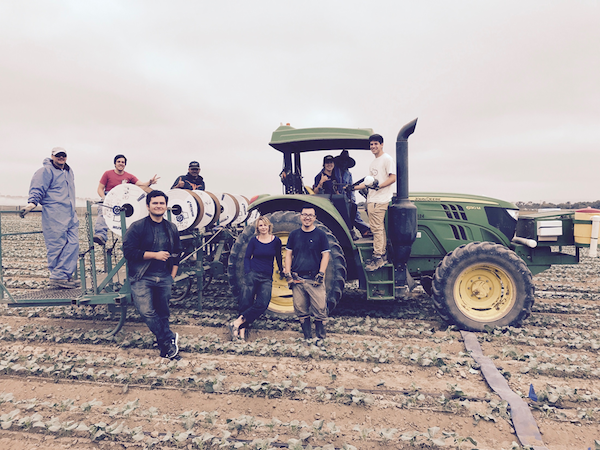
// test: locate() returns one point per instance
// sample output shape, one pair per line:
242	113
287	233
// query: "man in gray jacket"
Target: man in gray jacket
53	187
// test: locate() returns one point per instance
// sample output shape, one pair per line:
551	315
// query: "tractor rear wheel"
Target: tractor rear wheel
483	283
284	222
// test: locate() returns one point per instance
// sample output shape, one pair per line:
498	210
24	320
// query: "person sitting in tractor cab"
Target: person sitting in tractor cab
343	178
324	181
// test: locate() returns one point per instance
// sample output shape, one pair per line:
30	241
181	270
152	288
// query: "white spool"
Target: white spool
186	208
130	197
243	212
369	180
212	208
255	214
229	209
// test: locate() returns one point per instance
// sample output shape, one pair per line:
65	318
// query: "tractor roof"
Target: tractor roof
288	139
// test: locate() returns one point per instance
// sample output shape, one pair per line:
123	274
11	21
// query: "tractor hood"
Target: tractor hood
420	197
288	139
437	197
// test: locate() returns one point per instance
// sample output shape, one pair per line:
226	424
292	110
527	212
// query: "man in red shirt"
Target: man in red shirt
109	180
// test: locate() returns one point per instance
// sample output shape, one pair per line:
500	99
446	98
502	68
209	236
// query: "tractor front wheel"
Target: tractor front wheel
483	283
284	222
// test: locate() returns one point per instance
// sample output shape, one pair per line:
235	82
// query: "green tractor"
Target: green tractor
474	255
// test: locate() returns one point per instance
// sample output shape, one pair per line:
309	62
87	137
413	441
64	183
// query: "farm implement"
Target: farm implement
207	225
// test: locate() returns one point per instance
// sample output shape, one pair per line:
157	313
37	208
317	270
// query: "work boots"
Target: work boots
306	328
320	330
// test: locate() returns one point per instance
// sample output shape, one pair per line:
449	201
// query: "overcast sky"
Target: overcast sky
507	93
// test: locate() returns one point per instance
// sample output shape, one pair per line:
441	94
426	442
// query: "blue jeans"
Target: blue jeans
360	223
63	250
255	297
100	228
151	295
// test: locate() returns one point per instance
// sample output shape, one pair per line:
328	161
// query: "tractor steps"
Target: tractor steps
380	283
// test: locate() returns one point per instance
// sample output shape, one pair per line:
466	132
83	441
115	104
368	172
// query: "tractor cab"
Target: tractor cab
292	142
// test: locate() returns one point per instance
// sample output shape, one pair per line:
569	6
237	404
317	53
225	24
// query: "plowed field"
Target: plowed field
389	375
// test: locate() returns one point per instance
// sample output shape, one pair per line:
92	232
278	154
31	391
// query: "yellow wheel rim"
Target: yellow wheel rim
484	292
281	296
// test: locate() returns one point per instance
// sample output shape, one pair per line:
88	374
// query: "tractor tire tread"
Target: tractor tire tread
335	278
477	250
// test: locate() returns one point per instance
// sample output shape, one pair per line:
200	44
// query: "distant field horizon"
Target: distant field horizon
21	200
9	201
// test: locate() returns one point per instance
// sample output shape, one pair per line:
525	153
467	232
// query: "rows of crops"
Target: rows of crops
389	375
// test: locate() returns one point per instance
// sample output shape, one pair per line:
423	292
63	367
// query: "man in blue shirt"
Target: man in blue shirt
306	258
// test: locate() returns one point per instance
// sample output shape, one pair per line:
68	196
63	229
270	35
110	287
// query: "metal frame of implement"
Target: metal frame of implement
110	292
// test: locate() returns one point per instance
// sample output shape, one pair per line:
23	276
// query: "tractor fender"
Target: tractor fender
324	209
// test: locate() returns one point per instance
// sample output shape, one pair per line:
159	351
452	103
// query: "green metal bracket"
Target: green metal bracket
380	284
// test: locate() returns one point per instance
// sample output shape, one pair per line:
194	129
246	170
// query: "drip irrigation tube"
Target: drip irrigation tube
523	421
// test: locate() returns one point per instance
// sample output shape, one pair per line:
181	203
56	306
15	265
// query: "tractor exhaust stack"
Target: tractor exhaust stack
402	213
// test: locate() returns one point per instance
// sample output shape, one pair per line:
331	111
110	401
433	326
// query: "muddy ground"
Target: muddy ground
389	375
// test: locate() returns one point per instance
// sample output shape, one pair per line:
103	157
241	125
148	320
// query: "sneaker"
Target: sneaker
63	284
375	264
99	240
172	347
75	283
164	349
367	234
233	331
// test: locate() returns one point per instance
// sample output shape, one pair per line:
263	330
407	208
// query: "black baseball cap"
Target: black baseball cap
194	164
328	159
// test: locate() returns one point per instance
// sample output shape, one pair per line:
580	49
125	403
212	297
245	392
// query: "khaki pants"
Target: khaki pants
310	300
376	213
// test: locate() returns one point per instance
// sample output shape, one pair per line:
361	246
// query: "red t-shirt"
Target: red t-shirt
110	179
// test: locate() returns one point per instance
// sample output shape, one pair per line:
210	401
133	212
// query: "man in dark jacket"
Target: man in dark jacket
152	249
191	180
325	178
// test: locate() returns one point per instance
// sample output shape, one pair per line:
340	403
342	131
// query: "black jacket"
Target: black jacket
190	182
139	239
